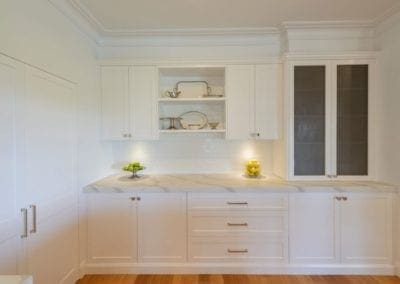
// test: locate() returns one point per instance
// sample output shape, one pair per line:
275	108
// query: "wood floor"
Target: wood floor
236	279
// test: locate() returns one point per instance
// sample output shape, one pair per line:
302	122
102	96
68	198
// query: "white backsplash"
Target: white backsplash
193	153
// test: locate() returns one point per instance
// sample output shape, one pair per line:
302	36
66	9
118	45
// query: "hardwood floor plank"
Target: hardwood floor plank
236	279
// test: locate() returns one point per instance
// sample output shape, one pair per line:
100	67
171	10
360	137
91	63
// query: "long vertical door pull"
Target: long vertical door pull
34	219
24	212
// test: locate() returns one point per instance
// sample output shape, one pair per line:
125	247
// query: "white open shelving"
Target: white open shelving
192	97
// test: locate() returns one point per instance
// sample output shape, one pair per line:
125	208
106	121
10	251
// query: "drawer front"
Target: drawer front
271	224
240	249
238	201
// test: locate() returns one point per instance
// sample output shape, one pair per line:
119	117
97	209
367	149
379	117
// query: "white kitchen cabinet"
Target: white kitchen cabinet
148	227
366	228
330	111
143	94
253	94
162	227
38	212
112	228
246	227
239	93
52	251
115	102
11	89
267	94
313	227
341	228
49	191
129	102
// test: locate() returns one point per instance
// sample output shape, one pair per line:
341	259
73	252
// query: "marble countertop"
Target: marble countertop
225	183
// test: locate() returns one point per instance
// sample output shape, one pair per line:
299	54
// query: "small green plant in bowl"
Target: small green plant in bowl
134	168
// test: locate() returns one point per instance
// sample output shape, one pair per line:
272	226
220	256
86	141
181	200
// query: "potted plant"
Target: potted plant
134	168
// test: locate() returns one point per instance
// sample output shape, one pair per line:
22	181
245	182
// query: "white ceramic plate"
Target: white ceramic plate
193	120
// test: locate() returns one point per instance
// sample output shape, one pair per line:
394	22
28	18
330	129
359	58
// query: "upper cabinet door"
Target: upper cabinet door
143	93
310	119
240	92
115	102
351	103
268	89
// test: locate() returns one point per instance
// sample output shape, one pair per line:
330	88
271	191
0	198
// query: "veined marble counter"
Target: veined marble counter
225	183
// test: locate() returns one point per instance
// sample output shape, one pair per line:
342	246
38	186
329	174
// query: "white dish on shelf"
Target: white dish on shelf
193	120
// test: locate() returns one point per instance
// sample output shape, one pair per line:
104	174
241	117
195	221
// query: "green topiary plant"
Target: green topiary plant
134	168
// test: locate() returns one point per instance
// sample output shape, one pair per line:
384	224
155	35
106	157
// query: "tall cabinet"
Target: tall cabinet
330	115
38	205
11	90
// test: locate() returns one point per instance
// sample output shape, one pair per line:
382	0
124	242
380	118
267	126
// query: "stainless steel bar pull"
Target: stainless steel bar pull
34	219
237	202
24	212
237	224
238	250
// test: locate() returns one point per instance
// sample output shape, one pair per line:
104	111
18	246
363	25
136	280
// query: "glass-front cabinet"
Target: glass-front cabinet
330	121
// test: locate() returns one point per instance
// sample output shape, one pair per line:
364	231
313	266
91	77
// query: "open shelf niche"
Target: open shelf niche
192	96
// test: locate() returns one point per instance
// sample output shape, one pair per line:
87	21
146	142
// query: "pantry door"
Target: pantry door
11	87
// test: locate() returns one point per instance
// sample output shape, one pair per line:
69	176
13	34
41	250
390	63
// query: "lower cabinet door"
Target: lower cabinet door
366	228
112	225
162	227
314	228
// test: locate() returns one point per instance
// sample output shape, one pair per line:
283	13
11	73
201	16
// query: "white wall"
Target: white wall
201	153
388	154
36	33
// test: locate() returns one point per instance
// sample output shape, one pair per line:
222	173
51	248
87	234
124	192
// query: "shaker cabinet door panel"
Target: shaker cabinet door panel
143	92
366	228
314	228
112	228
268	90
240	94
162	227
11	87
115	102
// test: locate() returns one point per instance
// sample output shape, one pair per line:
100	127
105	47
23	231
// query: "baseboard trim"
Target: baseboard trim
398	269
71	277
236	268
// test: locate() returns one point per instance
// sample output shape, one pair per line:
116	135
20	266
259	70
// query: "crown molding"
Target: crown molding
103	36
387	20
189	62
370	55
65	7
158	37
307	25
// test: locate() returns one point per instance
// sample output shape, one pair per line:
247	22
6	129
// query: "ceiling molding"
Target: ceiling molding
65	7
102	36
387	20
306	25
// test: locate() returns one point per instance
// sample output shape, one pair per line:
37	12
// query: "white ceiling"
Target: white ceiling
114	15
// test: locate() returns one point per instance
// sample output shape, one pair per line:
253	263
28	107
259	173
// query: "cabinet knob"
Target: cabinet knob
338	198
344	198
138	198
133	198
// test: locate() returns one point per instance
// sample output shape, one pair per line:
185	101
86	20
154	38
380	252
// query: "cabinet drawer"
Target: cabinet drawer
238	249
238	201
274	224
